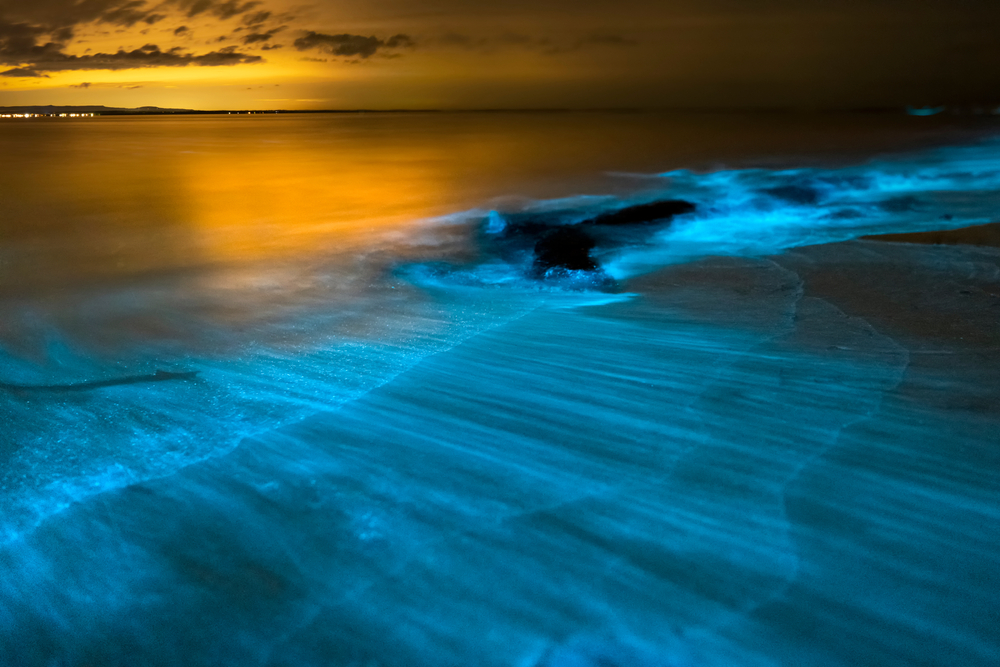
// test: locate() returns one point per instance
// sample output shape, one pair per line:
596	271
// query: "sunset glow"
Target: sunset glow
269	54
508	333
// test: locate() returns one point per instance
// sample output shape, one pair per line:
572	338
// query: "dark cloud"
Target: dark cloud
400	42
197	7
85	84
256	19
149	55
272	47
222	10
52	15
20	45
349	45
339	45
181	30
20	35
33	49
232	8
256	37
127	14
23	73
62	35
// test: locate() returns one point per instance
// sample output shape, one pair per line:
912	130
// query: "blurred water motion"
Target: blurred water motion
272	393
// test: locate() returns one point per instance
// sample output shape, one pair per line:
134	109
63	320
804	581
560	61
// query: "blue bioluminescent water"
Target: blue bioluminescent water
924	111
401	430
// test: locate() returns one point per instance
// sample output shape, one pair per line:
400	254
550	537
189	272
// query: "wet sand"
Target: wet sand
976	235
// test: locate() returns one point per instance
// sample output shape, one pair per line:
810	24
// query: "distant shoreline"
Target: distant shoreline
49	111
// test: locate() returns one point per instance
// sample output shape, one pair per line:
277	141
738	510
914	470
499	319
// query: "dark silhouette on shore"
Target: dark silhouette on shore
557	242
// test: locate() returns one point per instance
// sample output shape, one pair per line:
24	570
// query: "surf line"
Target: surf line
158	376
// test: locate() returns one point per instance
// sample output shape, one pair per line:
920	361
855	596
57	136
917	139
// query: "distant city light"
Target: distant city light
47	115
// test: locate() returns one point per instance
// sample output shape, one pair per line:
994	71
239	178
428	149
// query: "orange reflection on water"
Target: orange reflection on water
129	196
301	194
98	199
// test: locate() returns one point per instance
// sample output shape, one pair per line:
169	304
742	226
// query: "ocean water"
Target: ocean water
293	390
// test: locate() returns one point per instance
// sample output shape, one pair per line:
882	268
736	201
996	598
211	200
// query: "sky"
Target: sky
469	54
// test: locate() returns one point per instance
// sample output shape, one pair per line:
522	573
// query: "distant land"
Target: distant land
51	110
99	110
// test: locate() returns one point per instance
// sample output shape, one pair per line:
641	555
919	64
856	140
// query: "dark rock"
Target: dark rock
556	239
795	194
644	213
566	247
536	223
534	226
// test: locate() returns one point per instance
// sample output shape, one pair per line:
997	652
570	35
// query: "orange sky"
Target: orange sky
267	54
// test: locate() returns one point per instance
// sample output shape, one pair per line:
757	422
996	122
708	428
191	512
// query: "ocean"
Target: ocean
317	390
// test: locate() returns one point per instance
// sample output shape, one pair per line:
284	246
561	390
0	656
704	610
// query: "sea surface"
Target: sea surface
294	390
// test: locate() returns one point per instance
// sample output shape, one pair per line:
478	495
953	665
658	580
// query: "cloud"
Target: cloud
197	7
223	10
55	15
149	55
350	45
400	42
130	13
339	45
41	39
232	8
259	18
21	36
127	85
31	50
256	37
23	73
